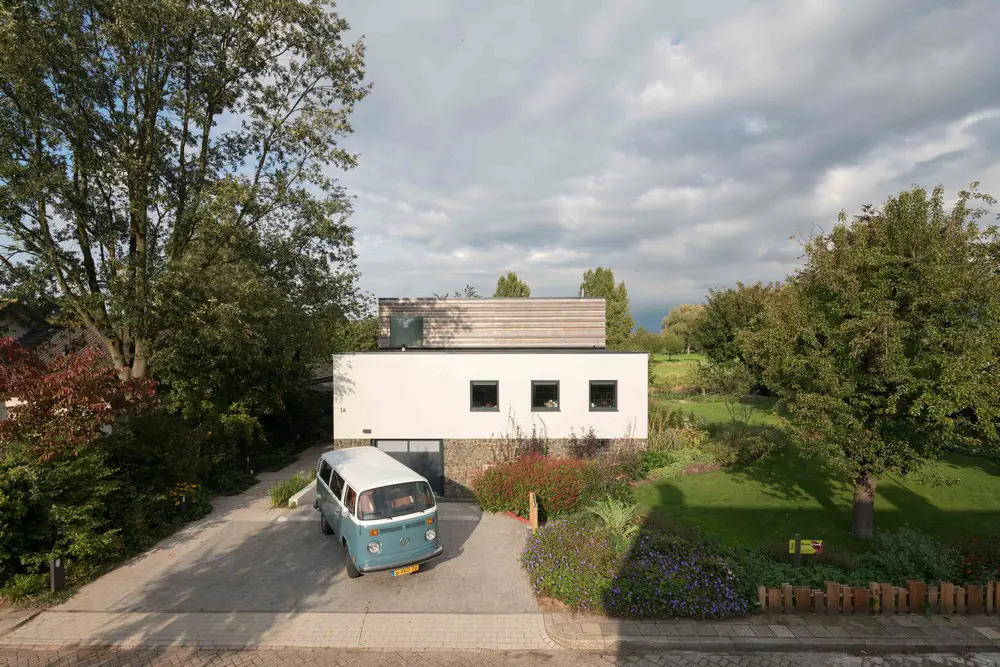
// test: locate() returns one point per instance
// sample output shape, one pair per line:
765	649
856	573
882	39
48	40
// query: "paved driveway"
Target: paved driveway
248	557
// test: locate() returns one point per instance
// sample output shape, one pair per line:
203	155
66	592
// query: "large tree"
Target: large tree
886	341
600	283
143	143
725	314
682	321
511	286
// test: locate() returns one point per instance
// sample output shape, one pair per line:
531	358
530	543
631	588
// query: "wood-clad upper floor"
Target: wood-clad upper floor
491	323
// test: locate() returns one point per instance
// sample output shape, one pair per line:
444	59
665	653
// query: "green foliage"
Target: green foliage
600	283
884	344
907	554
618	517
681	323
121	208
280	492
23	587
980	558
602	479
651	460
511	286
682	459
728	312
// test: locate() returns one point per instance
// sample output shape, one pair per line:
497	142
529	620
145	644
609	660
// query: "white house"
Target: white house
453	379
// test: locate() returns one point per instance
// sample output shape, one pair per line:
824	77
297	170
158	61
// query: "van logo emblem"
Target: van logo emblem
404	542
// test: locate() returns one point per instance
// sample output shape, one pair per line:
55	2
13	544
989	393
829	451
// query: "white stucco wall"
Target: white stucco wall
425	395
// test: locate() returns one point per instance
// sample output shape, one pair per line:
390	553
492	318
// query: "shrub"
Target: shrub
907	554
980	558
558	484
22	587
280	492
600	480
653	460
681	460
618	517
647	577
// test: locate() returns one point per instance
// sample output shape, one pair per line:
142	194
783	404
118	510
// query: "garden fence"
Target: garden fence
915	598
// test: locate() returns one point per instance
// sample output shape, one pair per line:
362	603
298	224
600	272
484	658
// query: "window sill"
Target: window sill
604	409
484	409
545	409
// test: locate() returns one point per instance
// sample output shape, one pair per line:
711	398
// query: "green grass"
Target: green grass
791	492
280	492
675	370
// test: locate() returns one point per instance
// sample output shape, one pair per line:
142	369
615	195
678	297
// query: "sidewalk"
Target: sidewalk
780	632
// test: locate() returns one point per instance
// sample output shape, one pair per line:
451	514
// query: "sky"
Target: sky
686	146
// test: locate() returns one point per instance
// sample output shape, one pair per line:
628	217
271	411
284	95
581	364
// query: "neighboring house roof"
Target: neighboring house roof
47	341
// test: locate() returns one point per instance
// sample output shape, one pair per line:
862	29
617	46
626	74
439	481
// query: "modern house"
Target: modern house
455	379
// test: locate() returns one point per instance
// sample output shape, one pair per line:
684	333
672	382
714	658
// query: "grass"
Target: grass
674	370
791	492
280	492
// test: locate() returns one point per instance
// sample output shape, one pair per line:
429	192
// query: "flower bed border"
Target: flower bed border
915	598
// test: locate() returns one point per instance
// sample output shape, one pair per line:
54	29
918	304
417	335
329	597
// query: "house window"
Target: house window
603	395
544	395
406	331
485	395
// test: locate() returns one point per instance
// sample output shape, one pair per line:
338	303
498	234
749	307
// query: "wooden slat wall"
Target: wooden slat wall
483	323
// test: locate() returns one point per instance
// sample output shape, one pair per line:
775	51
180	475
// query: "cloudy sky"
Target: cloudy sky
680	144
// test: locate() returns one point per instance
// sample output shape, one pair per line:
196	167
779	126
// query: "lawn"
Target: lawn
673	370
712	410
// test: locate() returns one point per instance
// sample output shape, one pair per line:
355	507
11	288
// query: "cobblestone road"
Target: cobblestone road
352	658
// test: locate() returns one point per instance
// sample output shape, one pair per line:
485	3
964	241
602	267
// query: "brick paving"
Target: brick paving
354	658
307	629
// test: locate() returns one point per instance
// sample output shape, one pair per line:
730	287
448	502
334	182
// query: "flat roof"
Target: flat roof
492	350
367	468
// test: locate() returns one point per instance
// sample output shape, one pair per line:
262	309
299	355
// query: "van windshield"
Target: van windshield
396	500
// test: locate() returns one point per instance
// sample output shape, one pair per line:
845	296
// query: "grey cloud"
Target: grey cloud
510	136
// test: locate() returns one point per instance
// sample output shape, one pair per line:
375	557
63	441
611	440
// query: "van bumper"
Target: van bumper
368	569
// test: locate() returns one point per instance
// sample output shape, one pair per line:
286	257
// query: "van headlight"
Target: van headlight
430	535
374	547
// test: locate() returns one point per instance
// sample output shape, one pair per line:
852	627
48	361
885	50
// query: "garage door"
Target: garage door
426	457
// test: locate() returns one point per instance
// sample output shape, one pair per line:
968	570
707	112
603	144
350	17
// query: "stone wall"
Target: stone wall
344	443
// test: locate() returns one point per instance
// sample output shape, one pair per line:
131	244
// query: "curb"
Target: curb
629	643
9	629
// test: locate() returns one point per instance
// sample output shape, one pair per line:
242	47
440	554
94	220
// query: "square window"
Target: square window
603	395
406	331
544	395
485	395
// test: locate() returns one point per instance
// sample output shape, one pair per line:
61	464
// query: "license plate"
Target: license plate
405	570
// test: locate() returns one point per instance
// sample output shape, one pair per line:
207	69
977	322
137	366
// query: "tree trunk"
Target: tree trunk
864	506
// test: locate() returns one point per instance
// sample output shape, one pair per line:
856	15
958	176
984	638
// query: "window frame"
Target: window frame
546	383
343	484
325	478
483	383
351	507
602	383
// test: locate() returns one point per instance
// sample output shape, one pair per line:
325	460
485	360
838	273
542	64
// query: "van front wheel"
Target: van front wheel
324	525
352	569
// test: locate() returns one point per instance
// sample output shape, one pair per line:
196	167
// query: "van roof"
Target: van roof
369	468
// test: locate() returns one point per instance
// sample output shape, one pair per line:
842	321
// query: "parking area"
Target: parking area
249	557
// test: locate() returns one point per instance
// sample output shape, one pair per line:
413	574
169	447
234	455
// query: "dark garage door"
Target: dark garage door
426	457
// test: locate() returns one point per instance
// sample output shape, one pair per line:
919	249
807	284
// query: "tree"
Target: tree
511	286
672	344
887	337
600	283
135	137
469	292
725	314
682	321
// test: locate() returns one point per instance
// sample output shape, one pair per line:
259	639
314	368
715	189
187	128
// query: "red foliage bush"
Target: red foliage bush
558	483
64	405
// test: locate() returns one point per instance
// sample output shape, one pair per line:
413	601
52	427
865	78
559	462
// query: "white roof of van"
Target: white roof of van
369	468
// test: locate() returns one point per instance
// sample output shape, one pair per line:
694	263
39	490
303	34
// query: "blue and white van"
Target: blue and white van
383	513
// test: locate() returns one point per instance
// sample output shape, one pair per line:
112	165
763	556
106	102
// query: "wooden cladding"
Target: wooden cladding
914	598
500	323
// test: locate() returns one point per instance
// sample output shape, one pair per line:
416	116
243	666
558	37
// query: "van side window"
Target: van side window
349	500
324	472
337	485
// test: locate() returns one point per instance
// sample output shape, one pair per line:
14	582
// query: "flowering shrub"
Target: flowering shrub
558	484
648	577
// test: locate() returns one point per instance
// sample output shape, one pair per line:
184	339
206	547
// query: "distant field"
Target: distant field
674	371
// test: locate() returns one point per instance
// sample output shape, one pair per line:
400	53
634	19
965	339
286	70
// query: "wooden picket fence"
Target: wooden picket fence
914	598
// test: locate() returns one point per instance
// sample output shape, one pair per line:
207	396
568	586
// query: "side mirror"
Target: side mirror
344	512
